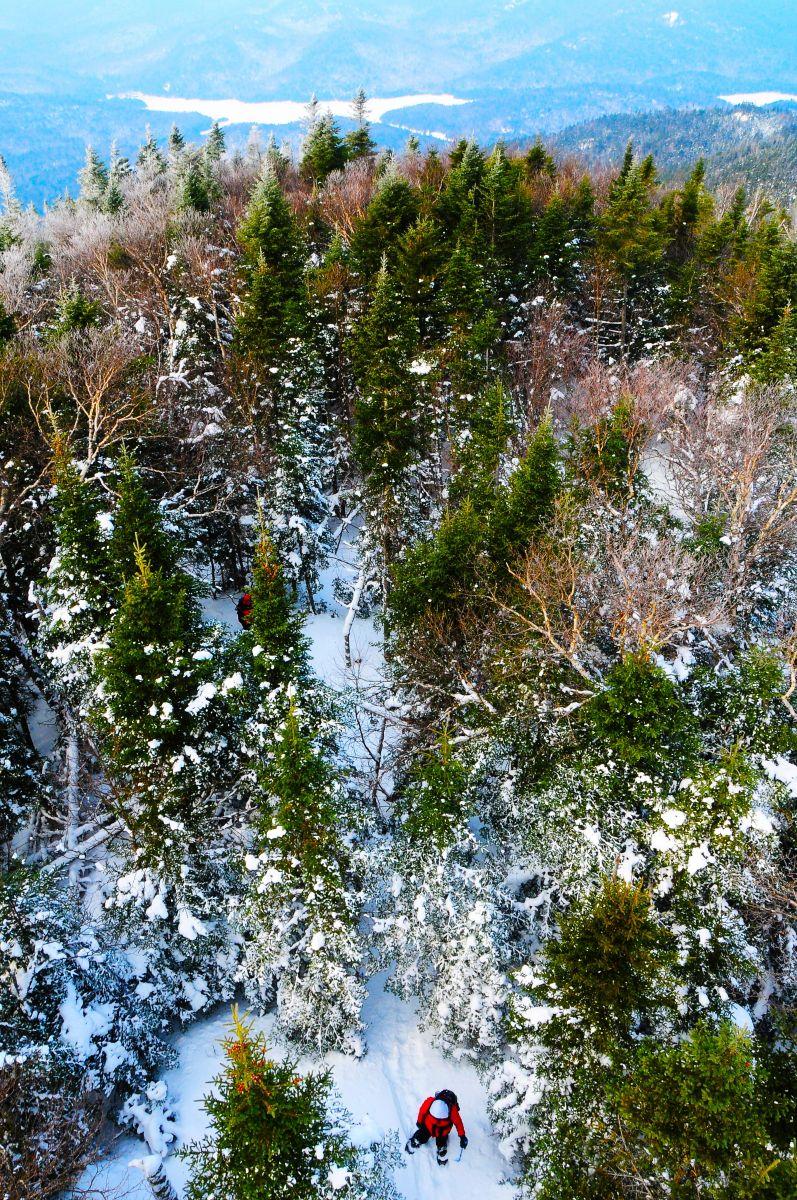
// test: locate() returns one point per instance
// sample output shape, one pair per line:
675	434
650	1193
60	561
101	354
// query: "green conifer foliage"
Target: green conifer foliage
274	309
391	212
278	646
691	1113
150	158
607	453
164	721
390	423
7	326
420	255
506	219
83	550
539	162
76	312
611	960
197	187
525	506
631	241
93	179
479	458
300	917
434	801
215	145
474	332
323	151
438	577
270	1132
641	719
300	782
176	142
138	521
358	142
458	206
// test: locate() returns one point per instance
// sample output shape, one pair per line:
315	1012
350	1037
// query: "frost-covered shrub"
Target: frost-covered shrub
443	922
24	779
49	1121
70	994
170	919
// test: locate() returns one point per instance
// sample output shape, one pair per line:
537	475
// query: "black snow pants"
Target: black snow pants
422	1136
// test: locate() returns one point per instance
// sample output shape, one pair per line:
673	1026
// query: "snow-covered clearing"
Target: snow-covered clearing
283	112
759	99
382	1091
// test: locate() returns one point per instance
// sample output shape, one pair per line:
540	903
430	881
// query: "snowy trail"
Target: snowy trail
382	1091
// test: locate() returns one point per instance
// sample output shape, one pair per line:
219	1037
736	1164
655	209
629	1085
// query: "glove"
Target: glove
463	1141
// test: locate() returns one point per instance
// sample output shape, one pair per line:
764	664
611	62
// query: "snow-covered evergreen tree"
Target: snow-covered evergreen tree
299	918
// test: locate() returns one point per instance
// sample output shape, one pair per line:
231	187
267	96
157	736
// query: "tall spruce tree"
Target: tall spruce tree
273	310
323	151
358	142
390	421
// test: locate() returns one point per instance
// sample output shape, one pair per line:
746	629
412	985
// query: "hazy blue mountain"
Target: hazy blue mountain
527	65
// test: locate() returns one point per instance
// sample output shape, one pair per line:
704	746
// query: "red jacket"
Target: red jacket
436	1127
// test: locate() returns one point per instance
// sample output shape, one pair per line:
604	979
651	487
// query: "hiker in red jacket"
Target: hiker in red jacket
244	609
436	1117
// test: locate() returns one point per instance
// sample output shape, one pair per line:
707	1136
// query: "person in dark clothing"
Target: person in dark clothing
244	610
437	1116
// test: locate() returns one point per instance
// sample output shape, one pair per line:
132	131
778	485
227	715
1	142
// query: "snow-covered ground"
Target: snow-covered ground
283	112
759	99
384	1089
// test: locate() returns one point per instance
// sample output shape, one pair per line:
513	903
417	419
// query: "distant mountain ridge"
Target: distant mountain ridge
749	146
524	65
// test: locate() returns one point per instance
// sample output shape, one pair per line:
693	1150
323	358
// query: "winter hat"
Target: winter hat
439	1110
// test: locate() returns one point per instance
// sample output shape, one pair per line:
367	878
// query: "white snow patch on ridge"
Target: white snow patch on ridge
759	99
282	112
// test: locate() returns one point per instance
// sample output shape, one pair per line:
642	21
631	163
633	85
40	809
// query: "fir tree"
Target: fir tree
215	145
278	647
93	179
273	311
525	506
434	800
390	213
693	1113
176	142
138	521
196	185
610	962
358	142
539	162
641	719
163	688
299	919
76	312
77	595
150	160
389	417
631	238
420	256
273	1133
323	151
